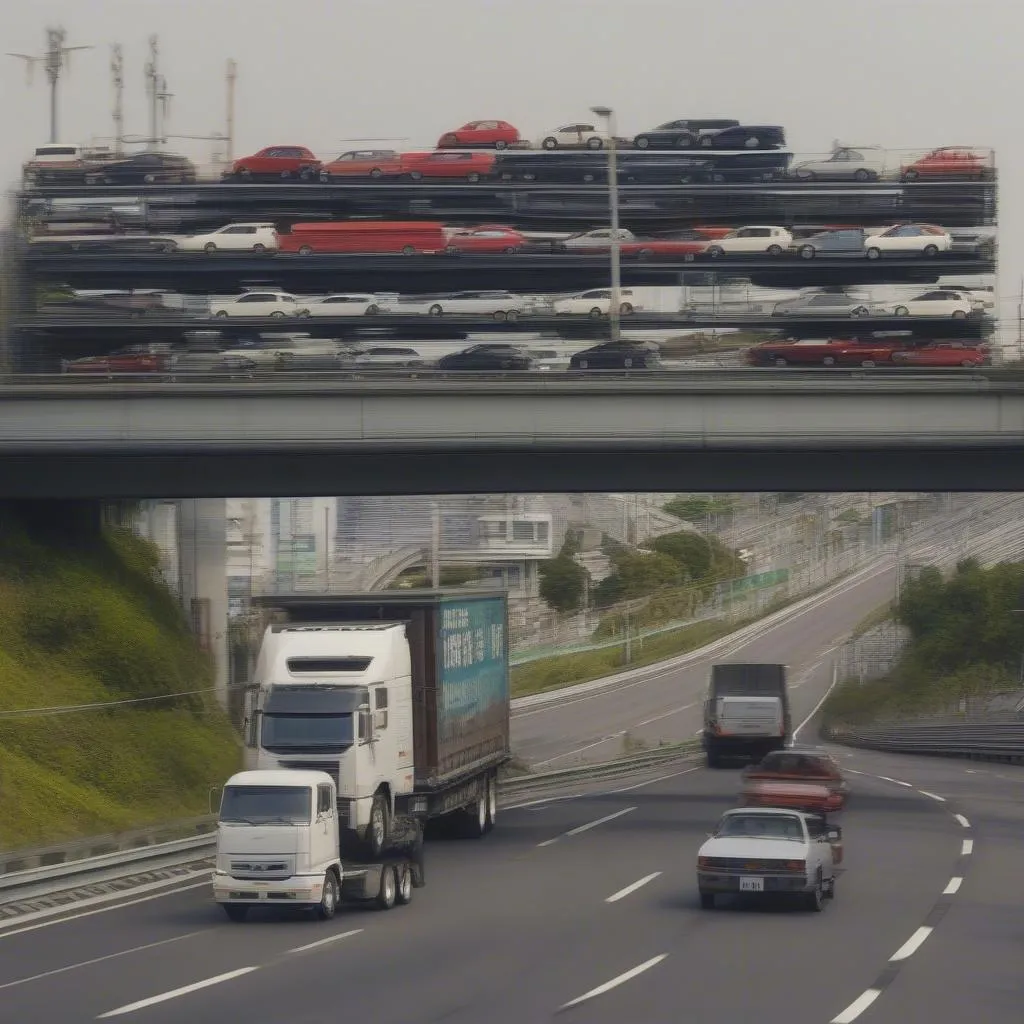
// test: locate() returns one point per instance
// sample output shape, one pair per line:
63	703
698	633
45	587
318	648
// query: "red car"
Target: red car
496	134
446	164
942	353
364	163
284	162
133	359
831	352
949	162
486	238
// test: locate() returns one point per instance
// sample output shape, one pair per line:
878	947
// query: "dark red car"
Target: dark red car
284	162
942	353
364	163
489	238
830	352
132	359
949	162
447	164
486	134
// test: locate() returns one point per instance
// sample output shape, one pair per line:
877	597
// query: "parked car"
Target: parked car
283	350
287	163
924	239
801	765
847	163
448	164
151	358
59	163
943	353
348	304
496	134
743	136
487	357
833	304
848	241
365	236
388	355
828	352
486	240
497	304
600	239
581	135
756	239
938	302
213	362
144	169
769	851
681	134
596	303
363	163
951	162
275	304
254	237
622	355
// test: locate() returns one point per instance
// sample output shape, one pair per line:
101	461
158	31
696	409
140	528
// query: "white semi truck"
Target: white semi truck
402	698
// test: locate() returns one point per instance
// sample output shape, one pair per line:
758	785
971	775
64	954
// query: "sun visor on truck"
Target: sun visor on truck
315	700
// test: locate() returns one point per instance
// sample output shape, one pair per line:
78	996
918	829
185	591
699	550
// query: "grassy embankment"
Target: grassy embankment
88	623
966	639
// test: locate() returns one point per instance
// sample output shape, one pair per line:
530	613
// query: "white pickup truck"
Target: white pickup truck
769	851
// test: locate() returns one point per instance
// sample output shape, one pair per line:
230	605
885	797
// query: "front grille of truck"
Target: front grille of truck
271	869
730	865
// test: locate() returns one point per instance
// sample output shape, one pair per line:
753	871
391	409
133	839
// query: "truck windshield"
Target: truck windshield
307	732
267	805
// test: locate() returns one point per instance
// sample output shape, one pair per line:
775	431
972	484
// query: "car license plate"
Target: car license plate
751	885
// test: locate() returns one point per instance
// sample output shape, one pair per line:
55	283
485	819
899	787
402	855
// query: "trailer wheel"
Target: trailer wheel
377	831
329	898
387	893
403	894
236	911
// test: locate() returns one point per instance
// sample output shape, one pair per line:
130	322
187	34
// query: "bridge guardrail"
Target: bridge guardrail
996	738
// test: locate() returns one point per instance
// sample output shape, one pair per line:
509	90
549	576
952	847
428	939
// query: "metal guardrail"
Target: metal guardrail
997	738
17	885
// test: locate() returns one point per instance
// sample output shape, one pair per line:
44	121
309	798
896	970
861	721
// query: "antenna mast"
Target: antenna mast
54	61
159	97
230	128
117	72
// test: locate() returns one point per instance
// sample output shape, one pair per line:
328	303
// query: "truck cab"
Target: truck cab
746	713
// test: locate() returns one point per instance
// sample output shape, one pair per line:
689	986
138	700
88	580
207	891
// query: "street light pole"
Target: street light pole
613	197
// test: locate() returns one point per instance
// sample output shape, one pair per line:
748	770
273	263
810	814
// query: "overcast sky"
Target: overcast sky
904	74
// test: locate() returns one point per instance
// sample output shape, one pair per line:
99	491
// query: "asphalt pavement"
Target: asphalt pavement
590	899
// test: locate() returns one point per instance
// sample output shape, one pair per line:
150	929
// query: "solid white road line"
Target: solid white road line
587	827
857	1007
537	803
906	785
6	934
639	884
324	942
967	848
651	782
615	982
817	707
953	886
963	821
101	959
932	796
174	993
912	945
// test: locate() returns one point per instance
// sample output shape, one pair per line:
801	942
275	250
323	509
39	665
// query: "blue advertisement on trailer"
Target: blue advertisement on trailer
472	663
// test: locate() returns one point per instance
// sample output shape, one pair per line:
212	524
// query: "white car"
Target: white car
981	299
926	239
276	350
599	239
863	163
500	305
275	304
387	355
938	302
256	237
765	851
346	305
596	302
575	136
758	238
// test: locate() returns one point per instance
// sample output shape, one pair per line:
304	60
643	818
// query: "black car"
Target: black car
561	167
145	169
744	136
682	134
623	355
487	357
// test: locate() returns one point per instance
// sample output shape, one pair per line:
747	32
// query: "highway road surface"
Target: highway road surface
665	704
586	910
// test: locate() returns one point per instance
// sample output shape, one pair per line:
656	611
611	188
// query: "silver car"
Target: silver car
846	163
830	304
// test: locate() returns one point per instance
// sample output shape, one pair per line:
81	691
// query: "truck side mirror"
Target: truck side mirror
366	726
215	803
835	835
252	729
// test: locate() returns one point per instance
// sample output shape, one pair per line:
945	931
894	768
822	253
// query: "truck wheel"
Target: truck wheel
329	898
388	888
475	818
707	901
236	911
492	801
403	894
377	830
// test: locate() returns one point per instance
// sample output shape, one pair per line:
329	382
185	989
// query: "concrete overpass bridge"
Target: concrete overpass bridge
707	431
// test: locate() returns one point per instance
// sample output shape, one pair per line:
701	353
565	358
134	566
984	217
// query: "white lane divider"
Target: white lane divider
324	942
639	884
650	782
101	959
953	887
615	982
963	821
912	945
174	993
857	1007
587	827
967	848
932	796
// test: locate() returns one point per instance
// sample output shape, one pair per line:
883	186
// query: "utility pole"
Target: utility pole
54	61
232	74
159	97
117	74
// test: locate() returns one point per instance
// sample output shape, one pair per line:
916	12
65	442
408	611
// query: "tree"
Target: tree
638	574
562	582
